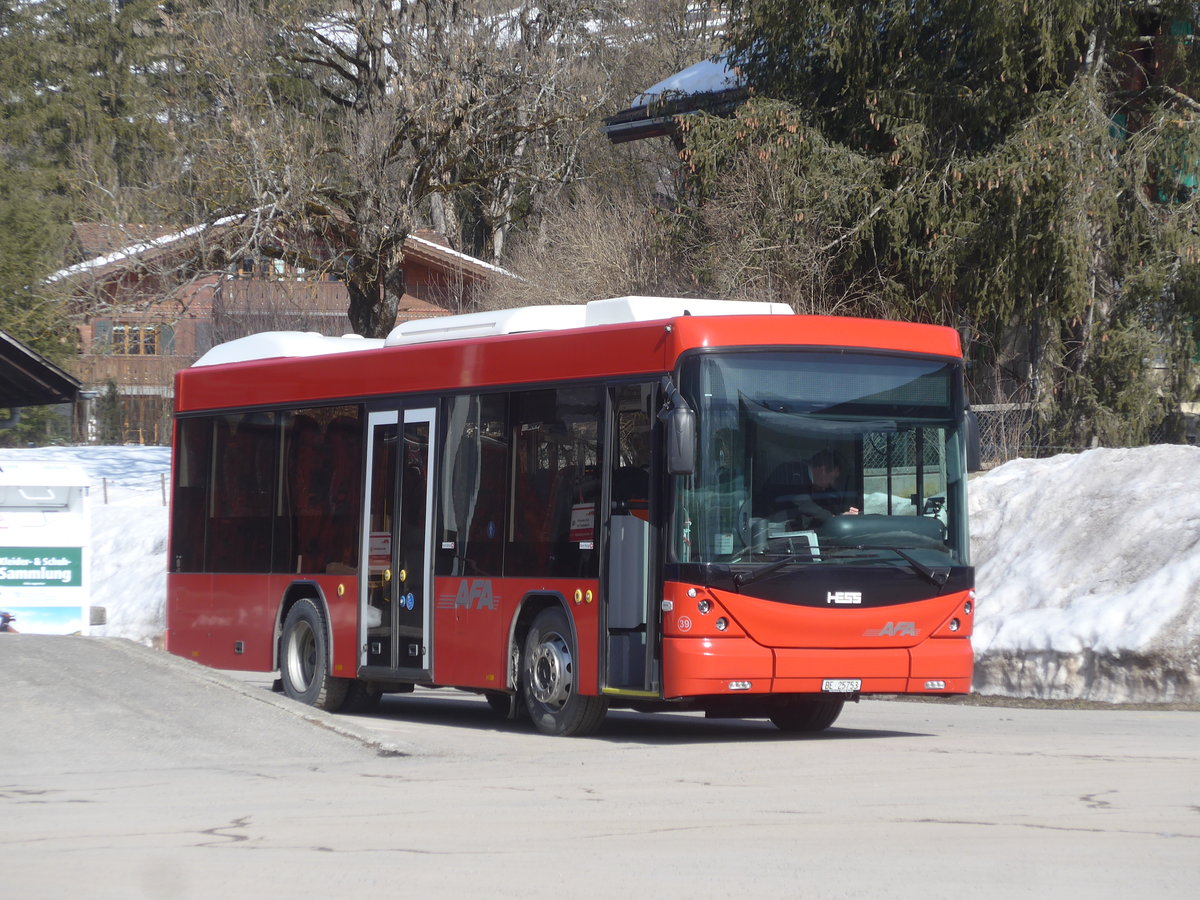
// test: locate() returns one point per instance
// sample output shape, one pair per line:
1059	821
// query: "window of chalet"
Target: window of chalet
251	266
133	338
278	269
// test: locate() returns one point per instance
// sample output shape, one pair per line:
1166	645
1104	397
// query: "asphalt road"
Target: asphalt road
129	773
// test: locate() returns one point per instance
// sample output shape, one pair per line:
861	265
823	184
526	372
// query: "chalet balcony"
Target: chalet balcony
132	374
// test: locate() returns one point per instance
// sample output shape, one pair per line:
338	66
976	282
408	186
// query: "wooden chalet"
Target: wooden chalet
143	312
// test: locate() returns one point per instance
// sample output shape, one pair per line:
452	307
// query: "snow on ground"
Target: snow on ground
1088	574
1088	566
129	533
1099	550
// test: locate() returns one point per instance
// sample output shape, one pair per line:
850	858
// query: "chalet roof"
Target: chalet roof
415	308
29	379
139	251
427	246
94	239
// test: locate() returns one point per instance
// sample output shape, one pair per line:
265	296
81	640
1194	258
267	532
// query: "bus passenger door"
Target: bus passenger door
395	614
630	551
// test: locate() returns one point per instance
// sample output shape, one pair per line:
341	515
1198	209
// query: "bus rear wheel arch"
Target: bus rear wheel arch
549	679
304	658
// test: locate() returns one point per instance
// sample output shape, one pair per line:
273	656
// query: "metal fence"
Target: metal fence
1010	430
1006	431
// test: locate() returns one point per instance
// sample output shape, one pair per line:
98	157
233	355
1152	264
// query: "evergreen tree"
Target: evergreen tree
109	425
80	96
1024	172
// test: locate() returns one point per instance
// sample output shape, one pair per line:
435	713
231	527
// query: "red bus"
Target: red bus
653	503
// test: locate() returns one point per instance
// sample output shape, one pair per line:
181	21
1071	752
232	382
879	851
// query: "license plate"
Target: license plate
841	685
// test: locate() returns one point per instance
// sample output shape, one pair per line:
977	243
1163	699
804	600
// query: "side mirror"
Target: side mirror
680	423
971	438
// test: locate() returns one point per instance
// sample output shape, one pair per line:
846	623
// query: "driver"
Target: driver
806	490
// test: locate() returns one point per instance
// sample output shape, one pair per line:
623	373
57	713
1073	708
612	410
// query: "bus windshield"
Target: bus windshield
823	458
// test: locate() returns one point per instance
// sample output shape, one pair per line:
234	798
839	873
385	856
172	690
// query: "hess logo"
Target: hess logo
844	598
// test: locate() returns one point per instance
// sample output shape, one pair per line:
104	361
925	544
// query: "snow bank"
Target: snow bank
1088	567
129	533
1088	574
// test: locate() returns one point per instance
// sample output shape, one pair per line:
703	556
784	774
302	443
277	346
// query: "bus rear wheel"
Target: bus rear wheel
549	680
304	659
800	716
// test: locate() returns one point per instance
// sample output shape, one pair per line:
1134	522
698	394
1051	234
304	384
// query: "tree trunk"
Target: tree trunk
375	300
445	219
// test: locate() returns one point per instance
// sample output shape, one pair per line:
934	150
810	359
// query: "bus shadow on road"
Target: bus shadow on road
682	728
464	711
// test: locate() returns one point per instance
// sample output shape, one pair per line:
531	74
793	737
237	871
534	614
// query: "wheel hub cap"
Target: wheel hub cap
302	656
552	671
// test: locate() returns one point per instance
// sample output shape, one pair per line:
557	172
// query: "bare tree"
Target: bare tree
340	128
613	230
596	244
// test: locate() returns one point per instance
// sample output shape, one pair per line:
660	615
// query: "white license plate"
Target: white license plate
841	685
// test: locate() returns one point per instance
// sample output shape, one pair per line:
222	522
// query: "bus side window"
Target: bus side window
323	453
475	486
345	440
528	550
307	482
556	485
193	456
631	477
240	517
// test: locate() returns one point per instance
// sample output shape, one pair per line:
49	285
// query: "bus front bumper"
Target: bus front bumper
706	666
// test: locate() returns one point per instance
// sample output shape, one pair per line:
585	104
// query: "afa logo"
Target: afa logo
475	593
893	629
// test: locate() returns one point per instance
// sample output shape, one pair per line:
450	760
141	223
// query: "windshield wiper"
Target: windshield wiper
937	577
741	579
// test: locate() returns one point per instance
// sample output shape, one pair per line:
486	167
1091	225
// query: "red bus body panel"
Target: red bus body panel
599	352
472	630
209	615
232	620
780	648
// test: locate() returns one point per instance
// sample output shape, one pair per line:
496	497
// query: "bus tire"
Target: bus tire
304	659
800	716
549	680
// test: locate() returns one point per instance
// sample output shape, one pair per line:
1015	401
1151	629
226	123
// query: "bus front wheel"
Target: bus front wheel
807	716
304	659
549	680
